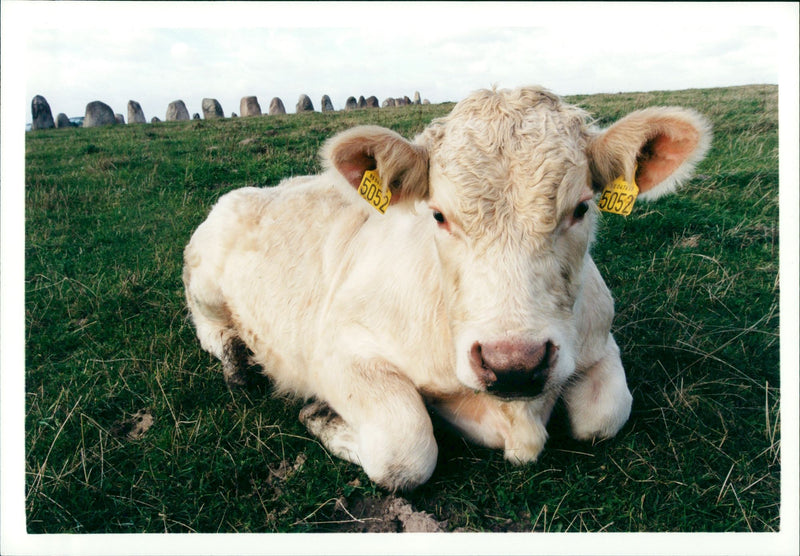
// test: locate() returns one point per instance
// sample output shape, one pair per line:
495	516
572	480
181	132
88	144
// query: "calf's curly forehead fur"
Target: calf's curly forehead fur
509	152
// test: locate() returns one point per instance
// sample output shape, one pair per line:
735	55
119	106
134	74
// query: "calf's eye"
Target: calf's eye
580	210
441	221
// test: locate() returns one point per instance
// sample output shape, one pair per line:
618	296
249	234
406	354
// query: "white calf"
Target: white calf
474	294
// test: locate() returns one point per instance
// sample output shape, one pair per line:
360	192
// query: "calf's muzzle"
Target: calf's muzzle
513	369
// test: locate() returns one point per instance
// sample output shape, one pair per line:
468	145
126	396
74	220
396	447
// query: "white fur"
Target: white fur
375	315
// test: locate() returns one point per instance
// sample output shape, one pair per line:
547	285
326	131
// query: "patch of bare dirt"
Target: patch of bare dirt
386	515
284	470
134	427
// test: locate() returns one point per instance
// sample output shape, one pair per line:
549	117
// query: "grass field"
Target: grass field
109	210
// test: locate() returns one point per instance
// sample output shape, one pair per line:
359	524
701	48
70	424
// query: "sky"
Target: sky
154	53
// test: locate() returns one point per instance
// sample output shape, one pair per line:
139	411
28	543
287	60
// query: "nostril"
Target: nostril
479	366
548	356
551	353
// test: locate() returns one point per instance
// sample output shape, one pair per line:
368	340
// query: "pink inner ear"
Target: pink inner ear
354	167
663	154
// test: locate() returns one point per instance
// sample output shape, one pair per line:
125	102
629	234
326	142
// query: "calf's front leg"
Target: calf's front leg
516	427
373	416
599	402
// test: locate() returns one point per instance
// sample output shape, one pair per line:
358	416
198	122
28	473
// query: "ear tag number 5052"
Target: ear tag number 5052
618	196
371	190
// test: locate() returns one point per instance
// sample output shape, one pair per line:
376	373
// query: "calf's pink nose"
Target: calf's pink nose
513	369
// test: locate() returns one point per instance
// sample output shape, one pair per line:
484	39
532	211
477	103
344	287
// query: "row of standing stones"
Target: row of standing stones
98	113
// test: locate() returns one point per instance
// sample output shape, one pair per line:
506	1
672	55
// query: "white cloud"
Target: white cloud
179	51
233	50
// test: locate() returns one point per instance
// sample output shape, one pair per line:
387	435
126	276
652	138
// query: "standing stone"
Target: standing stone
212	109
233	115
389	102
304	104
372	102
63	121
135	113
155	120
120	118
249	106
399	102
97	114
362	102
276	107
42	116
406	101
177	111
351	103
325	104
426	101
417	98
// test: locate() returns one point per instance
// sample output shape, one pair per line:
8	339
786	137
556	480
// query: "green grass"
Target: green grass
109	210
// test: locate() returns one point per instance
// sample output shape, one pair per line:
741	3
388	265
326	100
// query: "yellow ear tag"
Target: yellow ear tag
371	189
618	196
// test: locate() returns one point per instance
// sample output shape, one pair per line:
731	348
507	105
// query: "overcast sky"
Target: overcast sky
155	53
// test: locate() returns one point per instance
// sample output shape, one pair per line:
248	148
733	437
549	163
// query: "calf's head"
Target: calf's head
507	181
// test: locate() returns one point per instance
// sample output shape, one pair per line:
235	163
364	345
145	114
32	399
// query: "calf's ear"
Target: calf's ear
661	145
401	165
